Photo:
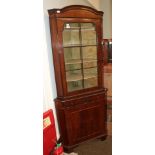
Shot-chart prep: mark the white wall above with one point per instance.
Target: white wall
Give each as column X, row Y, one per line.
column 49, row 92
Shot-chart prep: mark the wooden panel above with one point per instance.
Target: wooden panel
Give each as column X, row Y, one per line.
column 108, row 68
column 86, row 100
column 54, row 42
column 76, row 11
column 81, row 118
column 84, row 122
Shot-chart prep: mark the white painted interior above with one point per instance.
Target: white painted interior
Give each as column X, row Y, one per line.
column 49, row 79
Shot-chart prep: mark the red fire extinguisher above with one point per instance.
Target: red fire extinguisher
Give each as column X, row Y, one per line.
column 58, row 150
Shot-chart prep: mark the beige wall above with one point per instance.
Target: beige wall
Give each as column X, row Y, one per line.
column 50, row 4
column 106, row 7
column 96, row 4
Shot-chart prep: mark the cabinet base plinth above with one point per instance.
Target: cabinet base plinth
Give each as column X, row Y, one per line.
column 70, row 149
column 103, row 138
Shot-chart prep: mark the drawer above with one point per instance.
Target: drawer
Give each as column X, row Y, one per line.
column 88, row 100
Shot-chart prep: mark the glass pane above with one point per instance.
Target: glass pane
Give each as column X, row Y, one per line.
column 89, row 52
column 71, row 67
column 74, row 80
column 72, row 53
column 91, row 82
column 72, row 58
column 80, row 59
column 90, row 72
column 71, row 34
column 88, row 33
column 74, row 85
column 72, row 26
column 74, row 75
column 87, row 25
column 90, row 77
column 89, row 63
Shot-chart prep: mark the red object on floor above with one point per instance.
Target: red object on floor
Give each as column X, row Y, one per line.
column 49, row 132
column 58, row 151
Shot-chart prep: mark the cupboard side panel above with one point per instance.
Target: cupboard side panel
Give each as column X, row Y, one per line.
column 55, row 52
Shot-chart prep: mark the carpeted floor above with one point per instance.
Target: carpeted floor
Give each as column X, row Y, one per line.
column 95, row 147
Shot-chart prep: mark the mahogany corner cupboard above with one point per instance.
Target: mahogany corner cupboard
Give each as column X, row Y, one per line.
column 76, row 37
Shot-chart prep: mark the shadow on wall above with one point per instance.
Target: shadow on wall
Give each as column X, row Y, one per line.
column 49, row 54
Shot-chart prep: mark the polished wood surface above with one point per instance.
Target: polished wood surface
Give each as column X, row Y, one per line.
column 82, row 118
column 82, row 113
column 76, row 11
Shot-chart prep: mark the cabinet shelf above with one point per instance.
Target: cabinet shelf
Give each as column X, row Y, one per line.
column 89, row 76
column 78, row 28
column 80, row 69
column 72, row 29
column 75, row 77
column 79, row 61
column 73, row 61
column 78, row 45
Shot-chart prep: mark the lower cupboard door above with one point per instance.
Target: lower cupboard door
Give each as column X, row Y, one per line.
column 87, row 123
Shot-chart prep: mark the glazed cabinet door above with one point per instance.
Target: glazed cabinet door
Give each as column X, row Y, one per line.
column 80, row 54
